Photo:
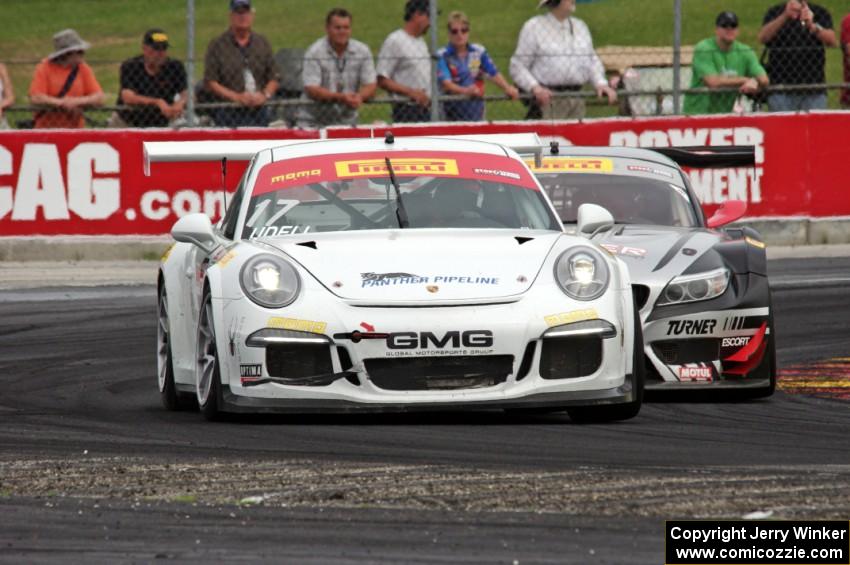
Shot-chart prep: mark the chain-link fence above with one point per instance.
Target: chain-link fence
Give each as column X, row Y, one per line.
column 555, row 70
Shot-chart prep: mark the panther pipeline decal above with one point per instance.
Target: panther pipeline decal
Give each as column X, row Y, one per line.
column 401, row 279
column 354, row 167
column 824, row 379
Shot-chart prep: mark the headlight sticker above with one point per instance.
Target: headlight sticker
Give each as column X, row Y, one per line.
column 571, row 317
column 297, row 325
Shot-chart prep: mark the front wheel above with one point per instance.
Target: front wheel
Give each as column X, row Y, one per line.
column 615, row 412
column 171, row 398
column 207, row 372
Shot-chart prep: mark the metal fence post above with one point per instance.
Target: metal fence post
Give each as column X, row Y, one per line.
column 435, row 88
column 191, row 118
column 677, row 54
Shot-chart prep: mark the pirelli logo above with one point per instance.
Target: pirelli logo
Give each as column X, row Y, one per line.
column 295, row 175
column 374, row 167
column 575, row 165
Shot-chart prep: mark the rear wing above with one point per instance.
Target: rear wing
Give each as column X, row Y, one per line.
column 198, row 151
column 707, row 157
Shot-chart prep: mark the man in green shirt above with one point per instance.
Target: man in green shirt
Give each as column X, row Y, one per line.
column 723, row 62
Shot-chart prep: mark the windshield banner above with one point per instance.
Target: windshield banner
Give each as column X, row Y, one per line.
column 373, row 165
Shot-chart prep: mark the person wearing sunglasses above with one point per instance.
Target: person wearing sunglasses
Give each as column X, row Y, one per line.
column 63, row 85
column 724, row 63
column 461, row 69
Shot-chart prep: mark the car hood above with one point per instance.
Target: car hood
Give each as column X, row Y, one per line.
column 657, row 253
column 422, row 265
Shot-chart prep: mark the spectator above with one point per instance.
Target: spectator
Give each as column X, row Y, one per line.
column 339, row 75
column 461, row 70
column 555, row 54
column 152, row 84
column 795, row 34
column 723, row 62
column 64, row 85
column 845, row 49
column 240, row 68
column 7, row 95
column 404, row 65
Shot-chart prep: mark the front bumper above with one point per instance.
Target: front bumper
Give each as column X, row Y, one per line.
column 511, row 330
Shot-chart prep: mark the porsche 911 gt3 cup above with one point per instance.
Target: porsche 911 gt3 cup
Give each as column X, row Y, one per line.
column 381, row 274
column 703, row 291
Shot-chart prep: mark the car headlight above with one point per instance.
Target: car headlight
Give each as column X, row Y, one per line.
column 270, row 281
column 582, row 273
column 691, row 288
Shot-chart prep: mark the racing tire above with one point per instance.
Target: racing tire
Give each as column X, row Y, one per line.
column 625, row 411
column 207, row 371
column 171, row 398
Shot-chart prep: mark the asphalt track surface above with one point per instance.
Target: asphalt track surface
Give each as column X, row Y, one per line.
column 92, row 469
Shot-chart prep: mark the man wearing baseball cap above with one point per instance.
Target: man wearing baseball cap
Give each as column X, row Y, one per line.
column 722, row 62
column 239, row 68
column 153, row 86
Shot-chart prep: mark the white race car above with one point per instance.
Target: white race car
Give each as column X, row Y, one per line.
column 392, row 275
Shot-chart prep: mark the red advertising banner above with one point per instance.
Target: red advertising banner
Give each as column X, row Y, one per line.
column 802, row 160
column 91, row 182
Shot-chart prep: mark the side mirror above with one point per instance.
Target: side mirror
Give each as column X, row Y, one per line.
column 728, row 212
column 593, row 218
column 195, row 229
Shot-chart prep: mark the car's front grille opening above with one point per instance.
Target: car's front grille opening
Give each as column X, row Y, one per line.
column 641, row 292
column 652, row 375
column 682, row 351
column 570, row 357
column 440, row 373
column 527, row 359
column 298, row 360
column 345, row 364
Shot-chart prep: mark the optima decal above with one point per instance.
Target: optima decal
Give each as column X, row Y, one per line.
column 297, row 325
column 571, row 317
column 250, row 373
column 401, row 166
column 691, row 327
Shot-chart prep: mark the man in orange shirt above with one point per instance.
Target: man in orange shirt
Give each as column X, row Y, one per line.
column 63, row 85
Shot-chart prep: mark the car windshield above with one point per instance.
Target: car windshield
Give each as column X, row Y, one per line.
column 345, row 192
column 630, row 199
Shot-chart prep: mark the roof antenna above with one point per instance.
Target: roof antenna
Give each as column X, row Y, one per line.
column 223, row 183
column 554, row 147
column 389, row 138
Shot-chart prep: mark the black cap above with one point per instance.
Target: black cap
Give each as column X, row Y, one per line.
column 239, row 5
column 156, row 38
column 726, row 19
